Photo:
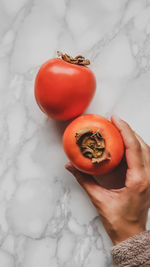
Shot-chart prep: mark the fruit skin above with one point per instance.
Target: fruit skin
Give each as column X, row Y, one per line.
column 113, row 143
column 64, row 90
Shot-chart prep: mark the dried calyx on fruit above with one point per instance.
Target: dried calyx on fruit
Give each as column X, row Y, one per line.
column 78, row 60
column 92, row 145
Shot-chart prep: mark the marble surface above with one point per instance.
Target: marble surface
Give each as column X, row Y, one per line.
column 46, row 219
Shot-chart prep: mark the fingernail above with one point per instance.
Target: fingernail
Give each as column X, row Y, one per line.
column 69, row 167
column 116, row 118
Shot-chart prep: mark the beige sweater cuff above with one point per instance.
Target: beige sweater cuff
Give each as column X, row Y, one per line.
column 134, row 251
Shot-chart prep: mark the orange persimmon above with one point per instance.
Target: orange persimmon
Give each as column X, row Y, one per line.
column 93, row 144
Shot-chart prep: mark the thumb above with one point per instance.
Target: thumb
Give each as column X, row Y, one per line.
column 95, row 191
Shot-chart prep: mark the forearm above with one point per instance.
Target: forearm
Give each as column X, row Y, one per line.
column 133, row 252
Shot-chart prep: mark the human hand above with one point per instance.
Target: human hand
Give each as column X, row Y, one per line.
column 123, row 211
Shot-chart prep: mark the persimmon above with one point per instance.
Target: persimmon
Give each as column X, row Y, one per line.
column 64, row 87
column 93, row 144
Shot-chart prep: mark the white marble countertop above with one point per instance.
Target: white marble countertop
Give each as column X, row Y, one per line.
column 45, row 217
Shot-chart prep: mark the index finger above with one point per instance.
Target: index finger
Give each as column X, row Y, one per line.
column 133, row 148
column 95, row 191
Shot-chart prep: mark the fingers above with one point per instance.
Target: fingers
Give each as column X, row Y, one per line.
column 137, row 155
column 95, row 191
column 141, row 141
column 133, row 147
column 145, row 149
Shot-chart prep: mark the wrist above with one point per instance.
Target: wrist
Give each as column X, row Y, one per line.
column 121, row 230
column 126, row 232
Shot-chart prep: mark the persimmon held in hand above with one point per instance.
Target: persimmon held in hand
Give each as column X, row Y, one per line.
column 64, row 87
column 93, row 144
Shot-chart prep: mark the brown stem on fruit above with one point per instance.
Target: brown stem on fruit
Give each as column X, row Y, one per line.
column 78, row 60
column 92, row 145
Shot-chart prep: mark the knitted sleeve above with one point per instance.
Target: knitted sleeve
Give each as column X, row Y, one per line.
column 134, row 251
